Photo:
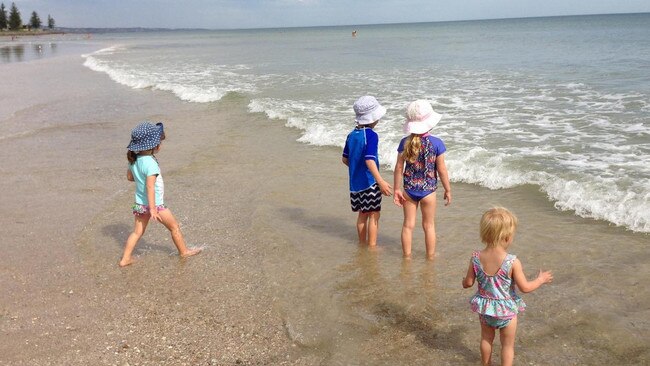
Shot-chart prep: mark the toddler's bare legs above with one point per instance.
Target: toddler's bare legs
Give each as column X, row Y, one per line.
column 138, row 230
column 428, row 207
column 507, row 336
column 410, row 208
column 171, row 224
column 487, row 338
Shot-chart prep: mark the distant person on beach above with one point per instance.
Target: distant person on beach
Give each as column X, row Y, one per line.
column 497, row 272
column 420, row 162
column 146, row 139
column 361, row 156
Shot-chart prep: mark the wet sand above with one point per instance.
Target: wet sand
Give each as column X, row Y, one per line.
column 281, row 280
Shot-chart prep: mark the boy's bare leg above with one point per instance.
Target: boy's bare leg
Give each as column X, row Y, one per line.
column 171, row 224
column 138, row 230
column 373, row 227
column 362, row 228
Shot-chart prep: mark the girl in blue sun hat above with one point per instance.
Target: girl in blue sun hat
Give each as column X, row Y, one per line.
column 144, row 170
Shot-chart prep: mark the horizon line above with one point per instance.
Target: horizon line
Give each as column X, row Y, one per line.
column 345, row 25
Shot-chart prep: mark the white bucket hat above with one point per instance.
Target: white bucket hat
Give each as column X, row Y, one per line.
column 420, row 117
column 368, row 110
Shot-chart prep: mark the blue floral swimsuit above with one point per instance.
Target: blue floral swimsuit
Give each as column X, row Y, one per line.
column 495, row 301
column 421, row 176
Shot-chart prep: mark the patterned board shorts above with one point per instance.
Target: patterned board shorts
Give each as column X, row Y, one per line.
column 368, row 200
column 142, row 210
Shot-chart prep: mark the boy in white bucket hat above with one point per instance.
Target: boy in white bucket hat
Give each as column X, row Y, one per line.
column 420, row 161
column 361, row 157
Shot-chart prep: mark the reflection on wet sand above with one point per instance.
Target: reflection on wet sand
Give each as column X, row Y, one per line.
column 20, row 53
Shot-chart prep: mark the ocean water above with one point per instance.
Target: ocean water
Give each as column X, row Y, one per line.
column 561, row 103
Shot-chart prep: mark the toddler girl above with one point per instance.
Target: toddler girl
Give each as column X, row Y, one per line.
column 497, row 273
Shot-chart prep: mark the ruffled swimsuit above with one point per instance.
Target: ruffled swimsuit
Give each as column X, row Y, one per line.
column 495, row 301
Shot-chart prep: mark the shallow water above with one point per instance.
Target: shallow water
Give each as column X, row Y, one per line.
column 353, row 305
column 560, row 103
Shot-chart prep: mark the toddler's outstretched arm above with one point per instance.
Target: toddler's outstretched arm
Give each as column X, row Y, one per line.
column 469, row 279
column 529, row 286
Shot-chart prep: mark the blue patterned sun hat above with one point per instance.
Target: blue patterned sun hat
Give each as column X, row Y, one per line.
column 145, row 136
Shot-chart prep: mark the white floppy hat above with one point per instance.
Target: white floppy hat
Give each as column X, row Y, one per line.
column 420, row 117
column 368, row 110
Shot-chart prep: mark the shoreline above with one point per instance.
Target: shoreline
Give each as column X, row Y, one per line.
column 29, row 33
column 281, row 280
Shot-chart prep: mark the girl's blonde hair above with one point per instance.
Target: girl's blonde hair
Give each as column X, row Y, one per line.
column 413, row 143
column 412, row 147
column 497, row 226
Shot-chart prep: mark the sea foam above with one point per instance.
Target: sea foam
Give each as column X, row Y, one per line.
column 194, row 83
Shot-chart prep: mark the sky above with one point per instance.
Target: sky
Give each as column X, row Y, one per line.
column 229, row 14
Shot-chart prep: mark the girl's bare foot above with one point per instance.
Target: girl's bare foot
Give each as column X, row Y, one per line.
column 192, row 251
column 431, row 257
column 126, row 262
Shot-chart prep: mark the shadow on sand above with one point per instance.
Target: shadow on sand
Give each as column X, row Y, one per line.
column 330, row 225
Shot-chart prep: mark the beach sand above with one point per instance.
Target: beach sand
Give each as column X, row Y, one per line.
column 281, row 279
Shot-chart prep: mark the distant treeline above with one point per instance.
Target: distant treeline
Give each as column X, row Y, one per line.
column 14, row 21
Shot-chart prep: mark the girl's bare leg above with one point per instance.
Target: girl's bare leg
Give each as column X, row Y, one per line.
column 138, row 230
column 410, row 211
column 373, row 227
column 487, row 338
column 428, row 207
column 362, row 227
column 507, row 336
column 171, row 224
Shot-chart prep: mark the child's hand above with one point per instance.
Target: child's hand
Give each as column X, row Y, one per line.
column 447, row 198
column 385, row 188
column 154, row 214
column 399, row 198
column 545, row 277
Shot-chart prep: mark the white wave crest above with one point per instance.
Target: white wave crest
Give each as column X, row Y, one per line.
column 596, row 198
column 196, row 84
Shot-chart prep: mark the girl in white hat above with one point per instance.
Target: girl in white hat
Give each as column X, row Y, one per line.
column 420, row 162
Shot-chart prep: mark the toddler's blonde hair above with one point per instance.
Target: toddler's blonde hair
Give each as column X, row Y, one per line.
column 497, row 226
